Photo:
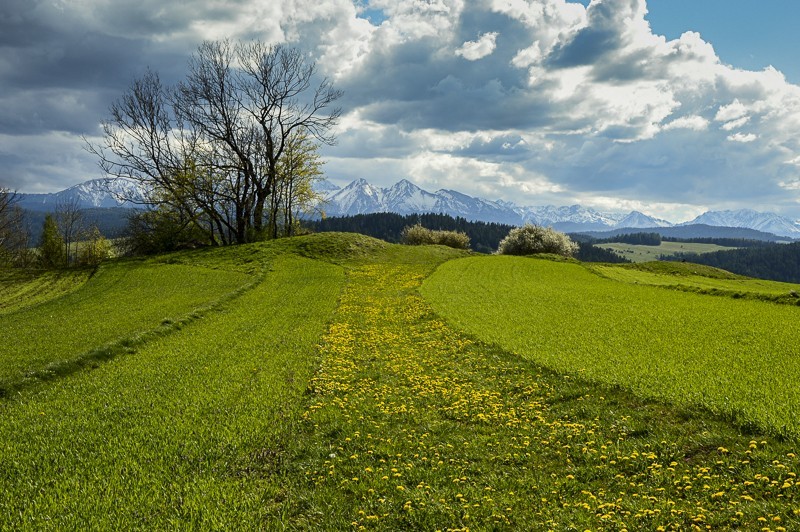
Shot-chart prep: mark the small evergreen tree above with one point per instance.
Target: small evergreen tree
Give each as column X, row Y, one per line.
column 51, row 247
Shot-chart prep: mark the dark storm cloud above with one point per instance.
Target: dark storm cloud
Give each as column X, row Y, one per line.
column 421, row 85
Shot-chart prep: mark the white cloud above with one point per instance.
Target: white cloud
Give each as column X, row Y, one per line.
column 744, row 138
column 571, row 103
column 732, row 111
column 694, row 122
column 483, row 47
column 735, row 124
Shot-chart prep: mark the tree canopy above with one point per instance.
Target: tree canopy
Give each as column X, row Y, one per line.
column 212, row 147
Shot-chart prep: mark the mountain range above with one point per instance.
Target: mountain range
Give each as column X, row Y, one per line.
column 96, row 193
column 360, row 197
column 404, row 197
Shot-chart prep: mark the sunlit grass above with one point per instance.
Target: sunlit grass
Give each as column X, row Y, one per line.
column 190, row 432
column 413, row 425
column 639, row 253
column 701, row 279
column 329, row 395
column 122, row 300
column 731, row 357
column 20, row 289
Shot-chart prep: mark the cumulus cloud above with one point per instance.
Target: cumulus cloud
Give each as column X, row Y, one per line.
column 539, row 101
column 474, row 50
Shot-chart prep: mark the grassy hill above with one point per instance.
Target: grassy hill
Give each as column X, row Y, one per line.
column 334, row 381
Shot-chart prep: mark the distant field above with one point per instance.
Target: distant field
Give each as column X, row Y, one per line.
column 636, row 253
column 701, row 279
column 693, row 350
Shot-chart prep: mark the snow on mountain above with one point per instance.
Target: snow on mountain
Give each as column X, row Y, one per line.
column 404, row 197
column 324, row 186
column 102, row 193
column 551, row 215
column 639, row 220
column 457, row 204
column 359, row 197
column 767, row 222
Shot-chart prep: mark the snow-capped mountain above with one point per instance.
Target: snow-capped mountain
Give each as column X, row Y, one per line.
column 768, row 222
column 95, row 193
column 570, row 218
column 639, row 220
column 359, row 197
column 404, row 197
column 457, row 204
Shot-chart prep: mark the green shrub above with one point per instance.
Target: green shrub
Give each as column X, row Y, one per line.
column 95, row 250
column 416, row 235
column 531, row 239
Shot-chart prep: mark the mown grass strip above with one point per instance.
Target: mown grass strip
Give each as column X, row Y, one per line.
column 732, row 357
column 121, row 346
column 191, row 432
column 123, row 300
column 21, row 289
column 411, row 425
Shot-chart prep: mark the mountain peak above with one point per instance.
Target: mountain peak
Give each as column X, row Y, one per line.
column 768, row 222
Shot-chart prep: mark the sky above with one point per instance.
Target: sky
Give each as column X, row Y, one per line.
column 669, row 107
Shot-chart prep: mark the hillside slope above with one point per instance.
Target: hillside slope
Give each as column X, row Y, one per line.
column 326, row 394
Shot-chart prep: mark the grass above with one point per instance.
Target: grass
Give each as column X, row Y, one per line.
column 331, row 395
column 637, row 253
column 697, row 278
column 122, row 301
column 411, row 425
column 691, row 350
column 184, row 433
column 21, row 289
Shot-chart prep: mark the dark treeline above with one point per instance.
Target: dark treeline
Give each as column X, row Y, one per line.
column 112, row 222
column 636, row 239
column 590, row 253
column 484, row 237
column 726, row 242
column 777, row 262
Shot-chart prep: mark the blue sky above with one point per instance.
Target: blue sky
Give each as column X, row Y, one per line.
column 745, row 33
column 663, row 106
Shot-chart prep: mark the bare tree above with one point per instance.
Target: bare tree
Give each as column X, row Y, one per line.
column 14, row 236
column 211, row 146
column 7, row 201
column 69, row 219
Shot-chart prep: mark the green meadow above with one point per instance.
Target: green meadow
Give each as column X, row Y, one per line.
column 336, row 382
column 639, row 253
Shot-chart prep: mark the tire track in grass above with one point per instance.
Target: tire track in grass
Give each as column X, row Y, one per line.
column 411, row 425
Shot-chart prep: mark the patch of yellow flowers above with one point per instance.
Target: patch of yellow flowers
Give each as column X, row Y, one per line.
column 424, row 428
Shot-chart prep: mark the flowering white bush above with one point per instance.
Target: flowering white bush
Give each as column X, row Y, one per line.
column 531, row 239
